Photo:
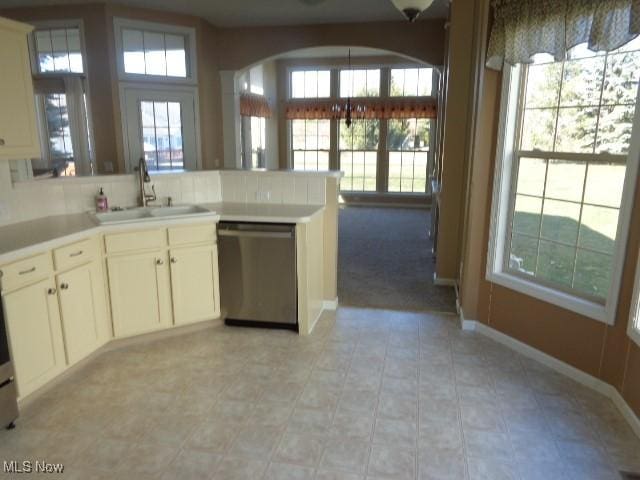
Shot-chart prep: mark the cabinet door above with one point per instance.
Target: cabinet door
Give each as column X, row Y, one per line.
column 140, row 293
column 18, row 130
column 82, row 312
column 33, row 323
column 194, row 284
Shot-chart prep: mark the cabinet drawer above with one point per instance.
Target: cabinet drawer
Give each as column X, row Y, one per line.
column 184, row 235
column 74, row 254
column 131, row 241
column 25, row 271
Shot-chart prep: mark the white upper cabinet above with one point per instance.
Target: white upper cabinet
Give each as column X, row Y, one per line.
column 18, row 128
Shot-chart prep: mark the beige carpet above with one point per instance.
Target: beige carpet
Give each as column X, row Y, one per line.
column 385, row 261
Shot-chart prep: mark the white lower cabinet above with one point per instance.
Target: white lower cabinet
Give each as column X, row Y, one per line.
column 194, row 284
column 83, row 310
column 33, row 324
column 140, row 292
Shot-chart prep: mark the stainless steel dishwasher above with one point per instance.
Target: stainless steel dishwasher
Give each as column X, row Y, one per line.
column 258, row 284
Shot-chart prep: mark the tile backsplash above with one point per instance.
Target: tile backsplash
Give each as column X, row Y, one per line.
column 35, row 199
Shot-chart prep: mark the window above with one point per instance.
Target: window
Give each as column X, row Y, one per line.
column 634, row 321
column 162, row 135
column 563, row 194
column 252, row 80
column 311, row 84
column 408, row 144
column 360, row 83
column 58, row 50
column 310, row 144
column 258, row 141
column 359, row 155
column 59, row 133
column 163, row 52
column 411, row 82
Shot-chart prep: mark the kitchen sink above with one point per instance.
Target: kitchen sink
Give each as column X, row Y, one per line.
column 177, row 211
column 142, row 214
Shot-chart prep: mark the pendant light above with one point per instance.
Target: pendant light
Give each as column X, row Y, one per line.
column 412, row 8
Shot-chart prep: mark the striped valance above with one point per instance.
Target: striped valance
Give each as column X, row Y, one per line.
column 252, row 105
column 363, row 108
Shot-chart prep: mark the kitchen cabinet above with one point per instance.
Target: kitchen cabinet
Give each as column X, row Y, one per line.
column 140, row 292
column 35, row 334
column 18, row 126
column 83, row 310
column 194, row 284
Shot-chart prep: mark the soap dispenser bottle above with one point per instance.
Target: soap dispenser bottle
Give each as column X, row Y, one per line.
column 102, row 203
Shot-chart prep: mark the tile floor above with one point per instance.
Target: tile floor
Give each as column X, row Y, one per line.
column 371, row 394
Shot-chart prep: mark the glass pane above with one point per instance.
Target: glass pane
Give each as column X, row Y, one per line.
column 593, row 273
column 154, row 58
column 370, row 164
column 543, row 85
column 565, row 180
column 373, row 83
column 411, row 82
column 175, row 118
column 310, row 84
column 161, row 114
column 582, row 82
column 621, row 81
column 614, row 131
column 75, row 55
column 359, row 83
column 298, row 134
column 311, row 160
column 324, row 132
column 324, row 83
column 576, row 130
column 323, row 160
column 297, row 84
column 425, row 82
column 555, row 263
column 60, row 50
column 311, row 135
column 526, row 215
column 524, row 254
column 397, row 82
column 537, row 129
column 598, row 228
column 175, row 135
column 604, row 185
column 298, row 160
column 149, row 139
column 345, row 83
column 133, row 51
column 531, row 176
column 147, row 115
column 176, row 56
column 560, row 221
column 395, row 166
column 45, row 52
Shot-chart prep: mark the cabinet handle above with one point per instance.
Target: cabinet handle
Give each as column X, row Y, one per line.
column 24, row 272
column 51, row 291
column 64, row 286
column 76, row 254
column 159, row 262
column 1, row 142
column 174, row 260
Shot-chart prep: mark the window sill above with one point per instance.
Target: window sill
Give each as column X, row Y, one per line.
column 567, row 301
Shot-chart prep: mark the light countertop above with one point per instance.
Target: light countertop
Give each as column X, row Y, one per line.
column 21, row 239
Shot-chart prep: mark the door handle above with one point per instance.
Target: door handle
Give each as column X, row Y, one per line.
column 159, row 261
column 254, row 234
column 174, row 260
column 51, row 291
column 64, row 286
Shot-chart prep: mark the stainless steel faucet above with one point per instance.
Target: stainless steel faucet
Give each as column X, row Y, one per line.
column 143, row 177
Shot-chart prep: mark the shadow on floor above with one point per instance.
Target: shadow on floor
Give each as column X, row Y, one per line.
column 385, row 261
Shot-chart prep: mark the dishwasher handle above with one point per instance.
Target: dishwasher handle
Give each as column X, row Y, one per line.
column 254, row 234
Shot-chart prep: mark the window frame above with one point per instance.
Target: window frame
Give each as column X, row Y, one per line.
column 320, row 68
column 52, row 25
column 506, row 161
column 189, row 34
column 293, row 150
column 634, row 313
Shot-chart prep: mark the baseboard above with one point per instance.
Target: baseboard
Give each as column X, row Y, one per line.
column 466, row 325
column 444, row 282
column 558, row 366
column 330, row 304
